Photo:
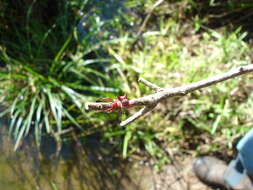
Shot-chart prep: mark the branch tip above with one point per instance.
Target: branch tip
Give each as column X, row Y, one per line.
column 138, row 114
column 86, row 106
column 150, row 85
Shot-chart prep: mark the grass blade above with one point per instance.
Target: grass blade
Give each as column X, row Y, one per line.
column 46, row 121
column 20, row 135
column 71, row 118
column 13, row 121
column 29, row 117
column 59, row 54
column 5, row 112
column 56, row 109
column 125, row 143
column 73, row 95
column 17, row 126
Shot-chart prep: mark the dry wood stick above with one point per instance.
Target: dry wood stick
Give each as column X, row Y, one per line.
column 150, row 101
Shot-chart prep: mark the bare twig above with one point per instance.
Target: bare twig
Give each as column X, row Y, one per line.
column 150, row 85
column 146, row 20
column 150, row 101
column 138, row 114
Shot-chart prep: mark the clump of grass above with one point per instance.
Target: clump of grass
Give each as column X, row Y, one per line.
column 175, row 54
column 50, row 72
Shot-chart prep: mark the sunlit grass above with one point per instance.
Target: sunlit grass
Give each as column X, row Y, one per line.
column 170, row 57
column 52, row 70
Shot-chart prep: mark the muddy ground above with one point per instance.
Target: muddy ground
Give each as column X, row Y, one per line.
column 176, row 176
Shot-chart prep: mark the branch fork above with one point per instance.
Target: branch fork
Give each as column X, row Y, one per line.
column 150, row 101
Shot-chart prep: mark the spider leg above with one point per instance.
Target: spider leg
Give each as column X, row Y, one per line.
column 106, row 99
column 109, row 110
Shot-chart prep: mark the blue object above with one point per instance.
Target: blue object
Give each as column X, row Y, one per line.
column 242, row 166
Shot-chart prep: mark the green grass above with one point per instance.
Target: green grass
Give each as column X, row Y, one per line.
column 206, row 121
column 50, row 73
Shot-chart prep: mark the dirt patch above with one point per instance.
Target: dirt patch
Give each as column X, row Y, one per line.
column 175, row 176
column 179, row 176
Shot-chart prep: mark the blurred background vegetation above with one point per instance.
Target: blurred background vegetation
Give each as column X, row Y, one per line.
column 57, row 55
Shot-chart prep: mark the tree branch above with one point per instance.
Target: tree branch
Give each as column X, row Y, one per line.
column 138, row 114
column 150, row 85
column 150, row 101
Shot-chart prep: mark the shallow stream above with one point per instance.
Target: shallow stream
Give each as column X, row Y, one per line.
column 77, row 167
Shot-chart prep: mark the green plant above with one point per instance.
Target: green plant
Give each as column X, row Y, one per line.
column 172, row 55
column 48, row 74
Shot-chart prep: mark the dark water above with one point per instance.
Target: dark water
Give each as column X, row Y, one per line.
column 78, row 166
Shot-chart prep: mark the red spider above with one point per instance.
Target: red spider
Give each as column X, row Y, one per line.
column 121, row 102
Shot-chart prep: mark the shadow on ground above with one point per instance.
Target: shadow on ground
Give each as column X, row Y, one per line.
column 230, row 13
